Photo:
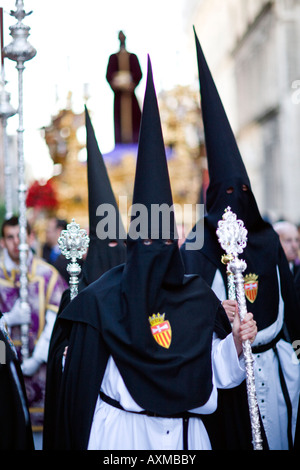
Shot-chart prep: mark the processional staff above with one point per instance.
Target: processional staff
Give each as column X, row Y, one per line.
column 19, row 50
column 73, row 243
column 232, row 236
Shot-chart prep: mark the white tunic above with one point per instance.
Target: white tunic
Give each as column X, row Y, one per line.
column 115, row 429
column 268, row 389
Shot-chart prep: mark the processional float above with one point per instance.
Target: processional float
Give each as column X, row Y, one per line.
column 232, row 236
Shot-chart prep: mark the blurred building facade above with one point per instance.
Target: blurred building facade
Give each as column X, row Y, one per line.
column 252, row 48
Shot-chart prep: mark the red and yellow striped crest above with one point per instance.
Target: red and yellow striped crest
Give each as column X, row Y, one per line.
column 251, row 287
column 161, row 330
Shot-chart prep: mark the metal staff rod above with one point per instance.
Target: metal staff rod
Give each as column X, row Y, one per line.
column 232, row 236
column 20, row 51
column 6, row 111
column 230, row 277
column 73, row 243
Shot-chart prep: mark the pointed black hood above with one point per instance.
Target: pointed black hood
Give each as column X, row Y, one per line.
column 101, row 256
column 224, row 159
column 148, row 267
column 229, row 182
column 152, row 184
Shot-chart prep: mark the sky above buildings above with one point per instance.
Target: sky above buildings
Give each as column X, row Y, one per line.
column 74, row 39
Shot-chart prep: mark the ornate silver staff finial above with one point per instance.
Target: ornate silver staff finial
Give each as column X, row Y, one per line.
column 232, row 237
column 20, row 51
column 232, row 234
column 73, row 243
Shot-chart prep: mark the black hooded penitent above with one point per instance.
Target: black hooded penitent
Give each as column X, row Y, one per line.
column 112, row 316
column 230, row 186
column 103, row 254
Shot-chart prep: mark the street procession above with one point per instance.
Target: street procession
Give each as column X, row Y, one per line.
column 150, row 228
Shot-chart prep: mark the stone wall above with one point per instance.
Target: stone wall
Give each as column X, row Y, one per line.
column 252, row 48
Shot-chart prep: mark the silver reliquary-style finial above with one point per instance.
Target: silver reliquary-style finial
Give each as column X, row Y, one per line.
column 73, row 243
column 231, row 233
column 232, row 236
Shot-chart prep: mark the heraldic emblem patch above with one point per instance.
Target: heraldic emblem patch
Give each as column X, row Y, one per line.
column 251, row 286
column 161, row 330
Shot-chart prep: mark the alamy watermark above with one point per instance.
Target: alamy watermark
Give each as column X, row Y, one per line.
column 296, row 353
column 2, row 352
column 159, row 223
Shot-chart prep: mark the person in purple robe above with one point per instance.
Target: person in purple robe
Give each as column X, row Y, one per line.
column 124, row 74
column 45, row 288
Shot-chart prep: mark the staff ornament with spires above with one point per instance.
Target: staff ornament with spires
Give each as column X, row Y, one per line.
column 73, row 243
column 232, row 236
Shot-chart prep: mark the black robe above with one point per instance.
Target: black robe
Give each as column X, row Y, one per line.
column 15, row 425
column 205, row 263
column 297, row 433
column 58, row 342
column 94, row 325
column 297, row 283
